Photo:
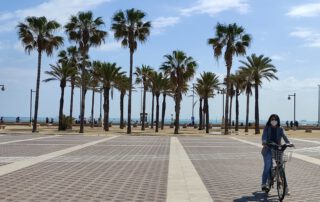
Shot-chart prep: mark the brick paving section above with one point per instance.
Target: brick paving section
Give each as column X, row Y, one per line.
column 123, row 169
column 13, row 152
column 11, row 137
column 233, row 172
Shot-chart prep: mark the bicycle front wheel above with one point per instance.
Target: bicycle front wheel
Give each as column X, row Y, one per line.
column 281, row 184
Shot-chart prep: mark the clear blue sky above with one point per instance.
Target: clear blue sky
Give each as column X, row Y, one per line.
column 286, row 31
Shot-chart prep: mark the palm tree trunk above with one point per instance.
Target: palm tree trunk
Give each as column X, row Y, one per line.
column 36, row 105
column 130, row 93
column 121, row 109
column 177, row 110
column 237, row 111
column 203, row 115
column 207, row 114
column 83, row 99
column 157, row 113
column 143, row 109
column 163, row 110
column 106, row 109
column 247, row 114
column 92, row 109
column 226, row 132
column 230, row 111
column 257, row 129
column 200, row 114
column 61, row 108
column 71, row 100
column 152, row 110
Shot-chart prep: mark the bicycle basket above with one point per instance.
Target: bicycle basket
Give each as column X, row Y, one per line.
column 277, row 155
column 281, row 156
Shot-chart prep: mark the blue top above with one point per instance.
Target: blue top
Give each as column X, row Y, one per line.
column 267, row 137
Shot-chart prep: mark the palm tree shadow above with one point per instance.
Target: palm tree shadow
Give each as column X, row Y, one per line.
column 258, row 196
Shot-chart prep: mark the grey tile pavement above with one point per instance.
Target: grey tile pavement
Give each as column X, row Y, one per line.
column 136, row 172
column 233, row 172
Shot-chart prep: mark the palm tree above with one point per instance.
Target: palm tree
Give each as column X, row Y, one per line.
column 157, row 81
column 123, row 85
column 207, row 83
column 260, row 68
column 85, row 31
column 247, row 87
column 233, row 39
column 70, row 57
column 60, row 73
column 94, row 84
column 231, row 95
column 142, row 76
column 129, row 27
column 180, row 69
column 239, row 83
column 37, row 34
column 200, row 92
column 109, row 74
column 166, row 89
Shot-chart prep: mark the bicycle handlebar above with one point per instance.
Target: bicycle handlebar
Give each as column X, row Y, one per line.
column 279, row 147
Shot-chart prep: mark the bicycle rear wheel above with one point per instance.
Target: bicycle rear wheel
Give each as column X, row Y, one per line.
column 281, row 184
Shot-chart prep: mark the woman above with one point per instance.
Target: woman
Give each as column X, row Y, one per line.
column 273, row 132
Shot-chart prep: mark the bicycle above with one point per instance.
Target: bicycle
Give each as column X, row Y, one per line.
column 277, row 172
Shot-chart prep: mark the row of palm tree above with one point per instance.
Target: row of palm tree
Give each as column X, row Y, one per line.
column 129, row 27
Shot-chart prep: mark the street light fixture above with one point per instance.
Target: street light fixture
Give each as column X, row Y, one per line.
column 294, row 106
column 31, row 91
column 2, row 87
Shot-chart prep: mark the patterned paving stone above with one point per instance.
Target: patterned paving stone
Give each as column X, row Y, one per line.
column 233, row 172
column 106, row 171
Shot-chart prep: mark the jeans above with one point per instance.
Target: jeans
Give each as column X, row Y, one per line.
column 267, row 158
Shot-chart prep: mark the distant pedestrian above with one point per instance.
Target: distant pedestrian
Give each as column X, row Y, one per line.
column 287, row 123
column 1, row 120
column 47, row 120
column 291, row 124
column 296, row 124
column 18, row 119
column 51, row 120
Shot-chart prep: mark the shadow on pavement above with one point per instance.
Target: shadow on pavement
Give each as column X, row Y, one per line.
column 258, row 196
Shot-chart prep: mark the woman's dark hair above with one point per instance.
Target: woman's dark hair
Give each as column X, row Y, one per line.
column 277, row 118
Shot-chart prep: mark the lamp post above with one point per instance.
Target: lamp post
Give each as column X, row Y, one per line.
column 192, row 117
column 319, row 106
column 2, row 87
column 31, row 91
column 294, row 106
column 222, row 91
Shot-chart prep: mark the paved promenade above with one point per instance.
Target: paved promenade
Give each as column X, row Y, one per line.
column 148, row 168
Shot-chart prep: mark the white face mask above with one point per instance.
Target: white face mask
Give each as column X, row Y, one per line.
column 274, row 123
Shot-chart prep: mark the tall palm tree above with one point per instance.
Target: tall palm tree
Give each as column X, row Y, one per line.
column 166, row 89
column 142, row 76
column 233, row 39
column 246, row 74
column 70, row 57
column 109, row 74
column 180, row 69
column 260, row 68
column 129, row 27
column 208, row 83
column 60, row 73
column 157, row 81
column 86, row 32
column 37, row 34
column 123, row 85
